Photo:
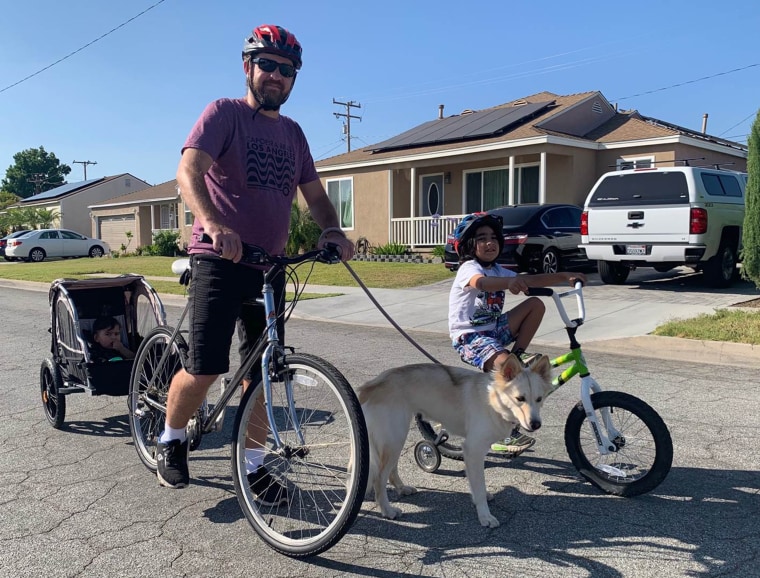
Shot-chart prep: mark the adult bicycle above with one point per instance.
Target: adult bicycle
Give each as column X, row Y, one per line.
column 317, row 444
column 616, row 441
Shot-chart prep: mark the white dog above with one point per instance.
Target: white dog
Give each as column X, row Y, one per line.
column 482, row 408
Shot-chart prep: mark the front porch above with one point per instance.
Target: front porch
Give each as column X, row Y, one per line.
column 423, row 232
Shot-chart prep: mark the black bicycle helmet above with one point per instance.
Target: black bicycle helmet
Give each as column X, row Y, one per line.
column 466, row 230
column 272, row 39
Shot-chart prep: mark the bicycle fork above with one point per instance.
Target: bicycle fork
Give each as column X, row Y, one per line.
column 606, row 436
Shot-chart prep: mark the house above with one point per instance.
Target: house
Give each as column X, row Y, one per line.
column 414, row 188
column 69, row 203
column 142, row 213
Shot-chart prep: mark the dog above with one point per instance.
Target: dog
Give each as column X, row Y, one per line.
column 482, row 408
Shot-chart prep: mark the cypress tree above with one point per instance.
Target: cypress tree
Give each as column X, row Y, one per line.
column 751, row 231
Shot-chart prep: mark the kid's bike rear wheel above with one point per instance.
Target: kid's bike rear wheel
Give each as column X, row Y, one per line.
column 156, row 362
column 451, row 448
column 644, row 448
column 325, row 477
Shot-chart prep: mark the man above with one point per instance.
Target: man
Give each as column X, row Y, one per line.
column 238, row 174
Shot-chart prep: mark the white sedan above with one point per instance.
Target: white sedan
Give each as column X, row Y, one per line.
column 35, row 246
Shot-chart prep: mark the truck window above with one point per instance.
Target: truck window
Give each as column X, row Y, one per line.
column 656, row 188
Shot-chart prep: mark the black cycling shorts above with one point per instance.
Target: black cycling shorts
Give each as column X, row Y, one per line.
column 221, row 295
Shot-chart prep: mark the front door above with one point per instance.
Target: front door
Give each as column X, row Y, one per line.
column 430, row 195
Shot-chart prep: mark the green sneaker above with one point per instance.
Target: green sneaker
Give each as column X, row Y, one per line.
column 514, row 445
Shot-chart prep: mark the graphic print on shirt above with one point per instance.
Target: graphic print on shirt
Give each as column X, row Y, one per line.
column 488, row 306
column 270, row 165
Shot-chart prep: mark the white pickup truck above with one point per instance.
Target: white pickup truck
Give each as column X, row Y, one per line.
column 665, row 218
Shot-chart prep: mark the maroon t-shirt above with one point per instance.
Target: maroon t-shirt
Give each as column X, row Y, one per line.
column 258, row 164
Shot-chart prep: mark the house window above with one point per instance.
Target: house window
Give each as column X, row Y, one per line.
column 488, row 189
column 168, row 216
column 341, row 195
column 635, row 163
column 189, row 217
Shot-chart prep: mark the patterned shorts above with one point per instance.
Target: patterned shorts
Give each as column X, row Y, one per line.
column 477, row 348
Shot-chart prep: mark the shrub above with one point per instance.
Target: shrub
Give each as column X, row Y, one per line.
column 390, row 249
column 439, row 251
column 164, row 244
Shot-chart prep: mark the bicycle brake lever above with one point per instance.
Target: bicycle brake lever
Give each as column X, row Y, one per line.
column 330, row 254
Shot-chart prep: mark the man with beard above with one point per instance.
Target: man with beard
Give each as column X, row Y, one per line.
column 238, row 174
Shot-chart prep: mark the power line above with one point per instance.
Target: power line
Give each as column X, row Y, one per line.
column 83, row 47
column 738, row 123
column 687, row 82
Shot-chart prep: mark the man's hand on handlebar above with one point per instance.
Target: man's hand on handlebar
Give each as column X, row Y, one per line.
column 226, row 242
column 343, row 244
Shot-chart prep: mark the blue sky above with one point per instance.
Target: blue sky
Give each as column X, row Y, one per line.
column 129, row 100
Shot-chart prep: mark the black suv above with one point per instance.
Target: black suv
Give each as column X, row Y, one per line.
column 537, row 239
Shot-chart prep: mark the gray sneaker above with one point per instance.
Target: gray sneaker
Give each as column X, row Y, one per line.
column 514, row 445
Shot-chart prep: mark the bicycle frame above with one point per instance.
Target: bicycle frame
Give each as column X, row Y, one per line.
column 576, row 363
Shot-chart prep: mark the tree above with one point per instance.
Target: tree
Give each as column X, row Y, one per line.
column 751, row 229
column 28, row 164
column 7, row 199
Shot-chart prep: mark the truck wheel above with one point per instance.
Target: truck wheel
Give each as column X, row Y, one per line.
column 613, row 273
column 720, row 270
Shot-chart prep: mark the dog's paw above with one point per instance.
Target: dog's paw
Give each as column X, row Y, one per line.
column 489, row 496
column 488, row 521
column 391, row 513
column 406, row 490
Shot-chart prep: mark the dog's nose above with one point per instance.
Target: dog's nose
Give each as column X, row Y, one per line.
column 534, row 425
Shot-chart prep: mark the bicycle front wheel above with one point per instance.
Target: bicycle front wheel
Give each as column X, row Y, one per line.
column 644, row 448
column 157, row 360
column 324, row 469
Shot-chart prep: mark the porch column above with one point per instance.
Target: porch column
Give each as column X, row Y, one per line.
column 152, row 221
column 542, row 179
column 511, row 180
column 412, row 235
column 391, row 237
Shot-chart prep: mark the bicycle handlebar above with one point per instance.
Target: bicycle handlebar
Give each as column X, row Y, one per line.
column 255, row 255
column 577, row 291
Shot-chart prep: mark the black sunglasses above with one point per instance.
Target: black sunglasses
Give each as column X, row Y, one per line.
column 267, row 65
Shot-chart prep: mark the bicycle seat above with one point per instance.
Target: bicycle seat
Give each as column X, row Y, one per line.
column 180, row 266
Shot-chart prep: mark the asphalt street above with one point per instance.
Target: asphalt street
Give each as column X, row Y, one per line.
column 77, row 501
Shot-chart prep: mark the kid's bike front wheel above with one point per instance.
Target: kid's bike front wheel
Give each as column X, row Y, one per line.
column 157, row 360
column 643, row 450
column 315, row 481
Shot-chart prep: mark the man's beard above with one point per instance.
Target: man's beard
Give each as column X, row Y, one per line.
column 268, row 99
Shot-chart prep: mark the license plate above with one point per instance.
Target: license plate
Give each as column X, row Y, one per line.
column 636, row 250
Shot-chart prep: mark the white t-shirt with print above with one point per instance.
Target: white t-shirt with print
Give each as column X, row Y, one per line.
column 471, row 309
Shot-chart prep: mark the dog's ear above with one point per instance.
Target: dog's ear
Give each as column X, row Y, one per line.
column 543, row 367
column 512, row 366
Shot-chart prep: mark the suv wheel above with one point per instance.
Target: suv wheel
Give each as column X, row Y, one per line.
column 613, row 273
column 720, row 270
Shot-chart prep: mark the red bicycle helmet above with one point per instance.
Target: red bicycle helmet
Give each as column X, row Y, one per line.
column 469, row 224
column 272, row 39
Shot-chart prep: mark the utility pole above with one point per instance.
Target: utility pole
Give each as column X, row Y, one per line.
column 347, row 127
column 38, row 179
column 84, row 166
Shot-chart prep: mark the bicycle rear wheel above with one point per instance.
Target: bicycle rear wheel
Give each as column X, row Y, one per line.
column 325, row 477
column 161, row 357
column 644, row 447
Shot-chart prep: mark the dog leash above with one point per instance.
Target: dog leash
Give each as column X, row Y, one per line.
column 388, row 317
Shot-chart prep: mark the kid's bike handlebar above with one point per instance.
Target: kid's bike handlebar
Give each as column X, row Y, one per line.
column 577, row 291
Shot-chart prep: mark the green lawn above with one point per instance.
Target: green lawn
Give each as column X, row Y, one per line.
column 374, row 275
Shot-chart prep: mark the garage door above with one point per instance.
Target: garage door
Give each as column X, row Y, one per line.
column 113, row 231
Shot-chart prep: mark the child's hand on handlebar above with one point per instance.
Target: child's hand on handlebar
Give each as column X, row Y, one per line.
column 573, row 278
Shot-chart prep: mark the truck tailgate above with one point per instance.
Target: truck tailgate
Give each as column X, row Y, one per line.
column 640, row 225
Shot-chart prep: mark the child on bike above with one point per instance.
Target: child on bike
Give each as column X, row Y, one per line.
column 479, row 331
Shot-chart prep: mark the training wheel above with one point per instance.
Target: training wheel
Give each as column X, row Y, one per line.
column 427, row 456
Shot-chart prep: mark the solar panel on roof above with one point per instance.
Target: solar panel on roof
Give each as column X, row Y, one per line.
column 463, row 127
column 62, row 190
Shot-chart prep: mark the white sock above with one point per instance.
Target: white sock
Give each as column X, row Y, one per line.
column 171, row 433
column 254, row 457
